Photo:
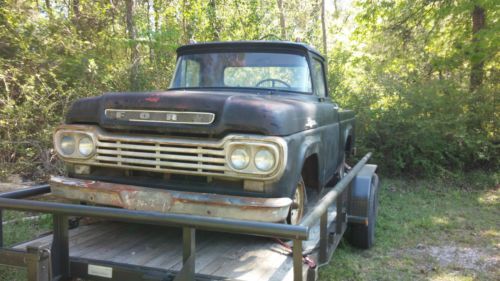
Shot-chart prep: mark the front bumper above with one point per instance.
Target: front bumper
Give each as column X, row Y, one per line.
column 169, row 201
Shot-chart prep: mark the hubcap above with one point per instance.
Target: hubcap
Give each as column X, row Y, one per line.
column 297, row 208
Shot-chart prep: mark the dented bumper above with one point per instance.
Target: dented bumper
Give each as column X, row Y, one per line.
column 169, row 201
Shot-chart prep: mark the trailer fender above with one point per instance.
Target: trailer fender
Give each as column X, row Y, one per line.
column 362, row 194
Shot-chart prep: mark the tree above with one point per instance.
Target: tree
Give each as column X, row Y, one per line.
column 215, row 24
column 323, row 27
column 134, row 54
column 477, row 57
column 421, row 75
column 282, row 19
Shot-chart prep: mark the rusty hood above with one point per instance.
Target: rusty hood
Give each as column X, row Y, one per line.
column 267, row 114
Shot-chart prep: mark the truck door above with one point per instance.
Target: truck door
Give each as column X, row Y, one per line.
column 328, row 113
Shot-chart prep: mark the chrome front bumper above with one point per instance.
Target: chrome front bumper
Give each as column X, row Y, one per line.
column 169, row 201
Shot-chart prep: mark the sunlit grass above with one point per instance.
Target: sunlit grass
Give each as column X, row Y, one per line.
column 418, row 220
column 491, row 197
column 451, row 277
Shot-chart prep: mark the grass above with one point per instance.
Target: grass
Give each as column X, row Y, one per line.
column 427, row 230
column 18, row 230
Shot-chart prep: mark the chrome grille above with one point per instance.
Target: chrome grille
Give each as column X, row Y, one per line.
column 171, row 155
column 161, row 156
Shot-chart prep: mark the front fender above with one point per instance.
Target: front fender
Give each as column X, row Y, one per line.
column 300, row 147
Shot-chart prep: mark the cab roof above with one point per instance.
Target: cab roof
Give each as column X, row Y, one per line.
column 246, row 45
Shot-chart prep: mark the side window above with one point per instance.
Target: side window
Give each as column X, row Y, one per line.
column 319, row 80
column 191, row 73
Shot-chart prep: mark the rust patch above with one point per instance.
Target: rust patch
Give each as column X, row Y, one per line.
column 161, row 200
column 153, row 99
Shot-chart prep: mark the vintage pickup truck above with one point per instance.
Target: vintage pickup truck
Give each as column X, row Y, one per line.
column 247, row 130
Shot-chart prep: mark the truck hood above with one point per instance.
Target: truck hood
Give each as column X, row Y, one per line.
column 266, row 114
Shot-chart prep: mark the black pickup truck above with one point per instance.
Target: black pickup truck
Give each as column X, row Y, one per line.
column 247, row 130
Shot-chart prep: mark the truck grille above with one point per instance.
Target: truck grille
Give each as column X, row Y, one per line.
column 160, row 156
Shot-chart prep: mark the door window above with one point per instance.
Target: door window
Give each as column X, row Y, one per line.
column 319, row 79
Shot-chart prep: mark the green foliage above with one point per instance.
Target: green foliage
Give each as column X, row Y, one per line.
column 403, row 66
column 408, row 80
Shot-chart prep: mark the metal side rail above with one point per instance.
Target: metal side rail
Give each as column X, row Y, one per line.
column 55, row 263
column 337, row 195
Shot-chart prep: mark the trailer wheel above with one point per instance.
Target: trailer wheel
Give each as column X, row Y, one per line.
column 298, row 206
column 360, row 235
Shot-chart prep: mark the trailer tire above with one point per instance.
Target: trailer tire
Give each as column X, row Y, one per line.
column 360, row 235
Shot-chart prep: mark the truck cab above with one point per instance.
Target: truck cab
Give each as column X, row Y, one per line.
column 246, row 131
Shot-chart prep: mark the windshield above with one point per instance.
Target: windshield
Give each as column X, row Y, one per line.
column 279, row 71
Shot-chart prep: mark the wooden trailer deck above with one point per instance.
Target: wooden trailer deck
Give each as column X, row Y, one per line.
column 218, row 255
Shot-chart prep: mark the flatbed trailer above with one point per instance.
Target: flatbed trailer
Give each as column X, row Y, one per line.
column 139, row 245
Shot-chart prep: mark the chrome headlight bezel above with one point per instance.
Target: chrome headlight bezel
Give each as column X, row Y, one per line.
column 77, row 136
column 276, row 146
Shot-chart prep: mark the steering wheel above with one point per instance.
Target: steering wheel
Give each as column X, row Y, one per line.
column 274, row 81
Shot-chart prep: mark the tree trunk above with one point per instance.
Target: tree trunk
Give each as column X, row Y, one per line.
column 323, row 27
column 76, row 9
column 150, row 30
column 186, row 25
column 156, row 7
column 214, row 22
column 282, row 20
column 134, row 55
column 48, row 6
column 477, row 58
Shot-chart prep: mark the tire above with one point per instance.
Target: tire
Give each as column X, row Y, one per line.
column 298, row 208
column 363, row 236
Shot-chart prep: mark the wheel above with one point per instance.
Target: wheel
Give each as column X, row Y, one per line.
column 299, row 200
column 363, row 236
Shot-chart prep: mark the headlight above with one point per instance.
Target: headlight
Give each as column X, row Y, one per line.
column 67, row 145
column 256, row 157
column 86, row 146
column 74, row 144
column 264, row 160
column 239, row 158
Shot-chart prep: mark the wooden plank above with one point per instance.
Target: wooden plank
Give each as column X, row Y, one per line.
column 85, row 231
column 122, row 243
column 210, row 251
column 220, row 250
column 92, row 232
column 170, row 252
column 255, row 269
column 203, row 240
column 170, row 239
column 140, row 250
column 237, row 257
column 238, row 260
column 101, row 240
